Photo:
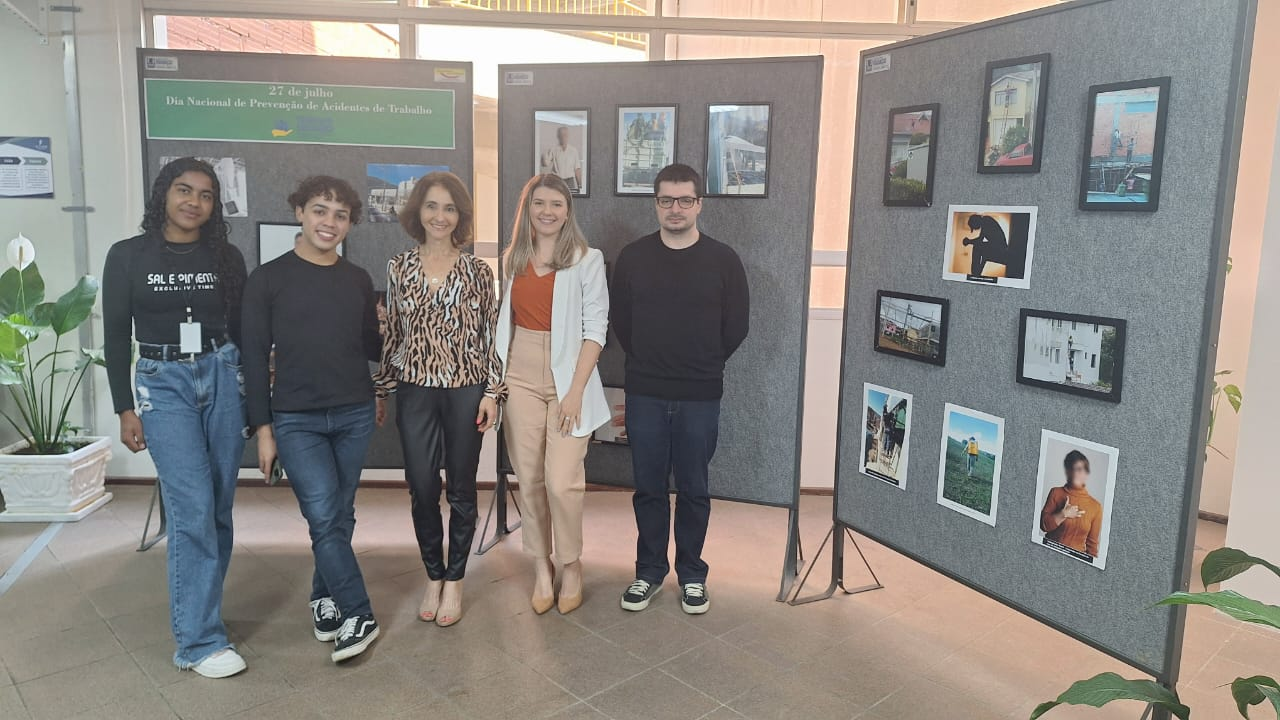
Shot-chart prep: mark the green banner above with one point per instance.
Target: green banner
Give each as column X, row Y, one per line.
column 232, row 111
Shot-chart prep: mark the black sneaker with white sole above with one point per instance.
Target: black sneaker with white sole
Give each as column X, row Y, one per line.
column 639, row 594
column 354, row 637
column 693, row 598
column 327, row 619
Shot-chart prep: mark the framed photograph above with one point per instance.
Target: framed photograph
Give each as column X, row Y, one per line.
column 738, row 150
column 910, row 157
column 646, row 144
column 990, row 245
column 560, row 146
column 1077, row 354
column 912, row 326
column 231, row 177
column 886, row 439
column 390, row 185
column 969, row 468
column 1075, row 487
column 1124, row 146
column 614, row 431
column 1015, row 95
column 276, row 239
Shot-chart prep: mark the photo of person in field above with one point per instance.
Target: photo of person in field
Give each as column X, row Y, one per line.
column 969, row 468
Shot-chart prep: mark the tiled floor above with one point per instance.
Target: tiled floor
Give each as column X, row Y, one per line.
column 85, row 633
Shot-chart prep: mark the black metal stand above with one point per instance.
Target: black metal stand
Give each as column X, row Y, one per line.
column 498, row 513
column 835, row 536
column 157, row 499
column 793, row 561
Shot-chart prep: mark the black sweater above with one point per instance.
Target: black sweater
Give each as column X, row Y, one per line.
column 323, row 322
column 679, row 315
column 146, row 286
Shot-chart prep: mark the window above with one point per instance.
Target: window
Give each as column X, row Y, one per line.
column 967, row 11
column 293, row 37
column 1006, row 97
column 830, row 10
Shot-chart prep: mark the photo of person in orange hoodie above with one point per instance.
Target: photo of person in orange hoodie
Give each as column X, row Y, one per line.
column 1071, row 519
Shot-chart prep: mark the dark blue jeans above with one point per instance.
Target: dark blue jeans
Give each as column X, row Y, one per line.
column 671, row 437
column 322, row 452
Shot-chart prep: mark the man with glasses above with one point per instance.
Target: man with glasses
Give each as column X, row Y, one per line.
column 679, row 308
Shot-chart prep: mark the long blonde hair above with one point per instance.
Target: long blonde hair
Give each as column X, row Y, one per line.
column 571, row 244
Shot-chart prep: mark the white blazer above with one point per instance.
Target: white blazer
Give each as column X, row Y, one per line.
column 579, row 312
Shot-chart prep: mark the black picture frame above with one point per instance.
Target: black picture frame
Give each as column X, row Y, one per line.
column 1089, row 184
column 618, row 146
column 879, row 335
column 585, row 190
column 1036, row 139
column 609, row 433
column 768, row 151
column 927, row 200
column 1071, row 323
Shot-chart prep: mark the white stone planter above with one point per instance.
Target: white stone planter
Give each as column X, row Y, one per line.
column 54, row 488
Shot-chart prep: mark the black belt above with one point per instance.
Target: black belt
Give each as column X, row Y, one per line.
column 174, row 352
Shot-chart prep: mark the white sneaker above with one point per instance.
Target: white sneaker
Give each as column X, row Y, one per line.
column 221, row 665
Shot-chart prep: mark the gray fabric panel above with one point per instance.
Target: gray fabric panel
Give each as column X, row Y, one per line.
column 1151, row 269
column 272, row 170
column 758, row 456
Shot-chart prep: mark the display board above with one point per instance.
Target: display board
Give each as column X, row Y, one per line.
column 266, row 121
column 762, row 116
column 1140, row 291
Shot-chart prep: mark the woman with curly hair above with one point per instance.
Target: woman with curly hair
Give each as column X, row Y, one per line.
column 176, row 290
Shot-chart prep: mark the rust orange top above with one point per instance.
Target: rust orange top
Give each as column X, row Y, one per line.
column 531, row 299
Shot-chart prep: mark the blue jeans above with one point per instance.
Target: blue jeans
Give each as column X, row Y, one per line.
column 671, row 437
column 322, row 452
column 193, row 417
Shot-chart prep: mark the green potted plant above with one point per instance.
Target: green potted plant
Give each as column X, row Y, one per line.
column 52, row 473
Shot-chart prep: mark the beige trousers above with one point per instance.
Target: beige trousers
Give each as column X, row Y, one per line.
column 548, row 466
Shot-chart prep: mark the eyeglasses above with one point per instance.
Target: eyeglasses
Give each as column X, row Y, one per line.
column 686, row 202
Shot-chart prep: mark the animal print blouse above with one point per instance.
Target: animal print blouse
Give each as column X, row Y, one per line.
column 443, row 336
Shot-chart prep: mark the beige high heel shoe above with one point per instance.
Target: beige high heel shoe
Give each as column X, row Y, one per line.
column 450, row 611
column 570, row 601
column 430, row 601
column 542, row 603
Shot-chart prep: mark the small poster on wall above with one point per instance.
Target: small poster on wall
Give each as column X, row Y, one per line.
column 1076, row 485
column 990, row 245
column 1013, row 111
column 390, row 185
column 738, row 150
column 614, row 431
column 231, row 176
column 886, row 437
column 969, row 469
column 646, row 144
column 560, row 146
column 1124, row 154
column 26, row 167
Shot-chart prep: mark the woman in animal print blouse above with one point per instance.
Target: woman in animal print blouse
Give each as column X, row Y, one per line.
column 439, row 359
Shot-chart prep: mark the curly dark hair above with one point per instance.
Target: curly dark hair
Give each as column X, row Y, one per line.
column 329, row 188
column 215, row 232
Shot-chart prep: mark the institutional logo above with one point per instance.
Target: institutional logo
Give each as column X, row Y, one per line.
column 281, row 129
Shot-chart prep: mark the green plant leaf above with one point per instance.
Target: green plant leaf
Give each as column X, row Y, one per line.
column 1226, row 563
column 74, row 306
column 1220, row 373
column 20, row 292
column 1234, row 396
column 11, row 342
column 1232, row 603
column 1254, row 691
column 9, row 374
column 1107, row 687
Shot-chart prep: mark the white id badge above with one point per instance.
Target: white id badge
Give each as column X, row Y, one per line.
column 189, row 337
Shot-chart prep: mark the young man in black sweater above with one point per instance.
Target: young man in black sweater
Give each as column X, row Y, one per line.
column 679, row 306
column 318, row 312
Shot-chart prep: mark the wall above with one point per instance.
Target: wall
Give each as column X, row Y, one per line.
column 1253, row 500
column 1254, row 181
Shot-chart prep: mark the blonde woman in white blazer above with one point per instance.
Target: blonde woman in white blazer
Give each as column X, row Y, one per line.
column 551, row 329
